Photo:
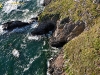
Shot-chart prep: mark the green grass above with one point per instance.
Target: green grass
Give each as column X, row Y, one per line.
column 83, row 52
column 75, row 10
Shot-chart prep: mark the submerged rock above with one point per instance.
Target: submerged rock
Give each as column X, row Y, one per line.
column 14, row 24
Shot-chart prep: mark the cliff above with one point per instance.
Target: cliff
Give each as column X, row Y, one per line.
column 81, row 54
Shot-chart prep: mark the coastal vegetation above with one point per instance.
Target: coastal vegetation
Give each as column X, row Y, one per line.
column 81, row 54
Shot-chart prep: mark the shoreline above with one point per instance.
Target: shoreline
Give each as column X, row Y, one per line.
column 56, row 64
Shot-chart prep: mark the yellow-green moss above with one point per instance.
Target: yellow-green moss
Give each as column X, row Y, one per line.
column 83, row 52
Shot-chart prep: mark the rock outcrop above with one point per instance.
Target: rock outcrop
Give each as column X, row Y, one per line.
column 46, row 25
column 44, row 28
column 14, row 24
column 56, row 65
column 66, row 32
column 79, row 51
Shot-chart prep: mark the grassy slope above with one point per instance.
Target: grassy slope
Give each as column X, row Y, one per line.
column 82, row 54
column 76, row 10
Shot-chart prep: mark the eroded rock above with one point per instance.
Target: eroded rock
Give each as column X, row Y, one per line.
column 65, row 33
column 56, row 65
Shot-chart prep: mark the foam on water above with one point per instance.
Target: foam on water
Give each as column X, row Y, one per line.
column 44, row 43
column 30, row 62
column 2, row 31
column 48, row 65
column 33, row 38
column 34, row 24
column 15, row 53
column 10, row 5
column 20, row 43
column 40, row 2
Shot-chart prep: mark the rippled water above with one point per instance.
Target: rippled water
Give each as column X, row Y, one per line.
column 34, row 51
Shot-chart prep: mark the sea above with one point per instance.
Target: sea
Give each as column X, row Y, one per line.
column 33, row 52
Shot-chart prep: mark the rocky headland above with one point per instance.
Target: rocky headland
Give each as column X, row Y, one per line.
column 75, row 27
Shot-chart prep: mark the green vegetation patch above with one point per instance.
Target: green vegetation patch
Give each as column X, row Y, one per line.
column 82, row 10
column 83, row 53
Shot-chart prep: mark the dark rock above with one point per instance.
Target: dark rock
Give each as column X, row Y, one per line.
column 65, row 33
column 51, row 70
column 43, row 28
column 54, row 42
column 65, row 20
column 14, row 24
column 46, row 2
column 59, row 37
column 79, row 28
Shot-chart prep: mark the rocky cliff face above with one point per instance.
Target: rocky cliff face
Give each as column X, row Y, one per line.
column 64, row 33
column 77, row 29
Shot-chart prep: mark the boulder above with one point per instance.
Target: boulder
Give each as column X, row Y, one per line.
column 65, row 33
column 43, row 28
column 14, row 24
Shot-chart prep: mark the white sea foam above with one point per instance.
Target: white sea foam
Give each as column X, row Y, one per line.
column 13, row 5
column 34, row 24
column 30, row 62
column 10, row 5
column 48, row 65
column 15, row 53
column 28, row 17
column 2, row 31
column 40, row 2
column 44, row 43
column 33, row 37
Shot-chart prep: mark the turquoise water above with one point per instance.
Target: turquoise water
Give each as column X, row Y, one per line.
column 34, row 51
